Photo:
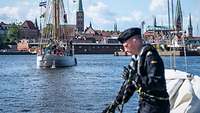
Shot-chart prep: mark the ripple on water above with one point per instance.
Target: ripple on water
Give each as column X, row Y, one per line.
column 85, row 88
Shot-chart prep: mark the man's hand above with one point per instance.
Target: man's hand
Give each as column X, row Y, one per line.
column 130, row 73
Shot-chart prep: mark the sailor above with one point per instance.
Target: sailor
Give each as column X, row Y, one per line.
column 144, row 74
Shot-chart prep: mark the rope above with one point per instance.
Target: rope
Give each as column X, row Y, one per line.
column 140, row 92
column 123, row 98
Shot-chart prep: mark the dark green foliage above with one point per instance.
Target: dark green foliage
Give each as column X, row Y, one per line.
column 12, row 34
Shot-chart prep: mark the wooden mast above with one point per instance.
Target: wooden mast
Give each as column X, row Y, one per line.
column 56, row 19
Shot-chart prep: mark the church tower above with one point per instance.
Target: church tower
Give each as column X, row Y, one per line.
column 190, row 28
column 80, row 17
column 115, row 27
column 178, row 17
column 155, row 22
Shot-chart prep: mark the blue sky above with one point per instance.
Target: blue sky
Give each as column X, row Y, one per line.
column 104, row 13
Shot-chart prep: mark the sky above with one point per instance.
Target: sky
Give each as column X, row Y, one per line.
column 103, row 14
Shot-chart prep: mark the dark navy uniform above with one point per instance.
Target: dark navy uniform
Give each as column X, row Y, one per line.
column 152, row 83
column 148, row 80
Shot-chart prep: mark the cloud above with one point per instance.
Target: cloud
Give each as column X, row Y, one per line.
column 25, row 2
column 103, row 17
column 158, row 6
column 134, row 16
column 9, row 11
column 100, row 13
column 18, row 13
column 32, row 13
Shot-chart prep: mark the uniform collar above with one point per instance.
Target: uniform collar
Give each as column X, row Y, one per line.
column 142, row 48
column 135, row 57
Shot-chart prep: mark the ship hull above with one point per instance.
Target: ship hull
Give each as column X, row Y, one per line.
column 53, row 61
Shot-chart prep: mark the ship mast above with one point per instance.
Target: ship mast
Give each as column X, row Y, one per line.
column 56, row 19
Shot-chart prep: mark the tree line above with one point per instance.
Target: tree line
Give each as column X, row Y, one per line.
column 10, row 36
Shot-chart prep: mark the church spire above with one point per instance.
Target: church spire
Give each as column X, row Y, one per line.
column 190, row 28
column 190, row 21
column 115, row 27
column 179, row 16
column 80, row 5
column 155, row 22
column 90, row 24
column 80, row 17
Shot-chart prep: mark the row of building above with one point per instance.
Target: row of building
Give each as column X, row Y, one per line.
column 155, row 34
column 173, row 35
column 27, row 30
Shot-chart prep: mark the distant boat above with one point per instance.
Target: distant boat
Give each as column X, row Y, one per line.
column 53, row 51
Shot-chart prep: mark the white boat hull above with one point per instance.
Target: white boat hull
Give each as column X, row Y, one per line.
column 52, row 61
column 184, row 91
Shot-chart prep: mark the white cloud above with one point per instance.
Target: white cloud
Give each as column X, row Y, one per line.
column 19, row 11
column 134, row 16
column 103, row 16
column 24, row 2
column 9, row 11
column 100, row 13
column 158, row 6
column 32, row 13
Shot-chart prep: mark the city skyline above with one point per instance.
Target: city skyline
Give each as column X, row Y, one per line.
column 103, row 14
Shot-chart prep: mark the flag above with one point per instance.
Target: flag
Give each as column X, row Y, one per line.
column 43, row 4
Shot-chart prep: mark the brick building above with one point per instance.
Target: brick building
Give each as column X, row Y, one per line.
column 29, row 31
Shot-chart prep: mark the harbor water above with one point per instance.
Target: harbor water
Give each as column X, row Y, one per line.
column 85, row 88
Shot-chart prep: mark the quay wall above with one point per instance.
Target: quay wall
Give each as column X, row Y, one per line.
column 165, row 53
column 17, row 53
column 91, row 48
column 79, row 48
column 95, row 48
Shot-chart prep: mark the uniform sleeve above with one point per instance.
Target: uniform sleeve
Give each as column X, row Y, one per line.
column 129, row 89
column 155, row 72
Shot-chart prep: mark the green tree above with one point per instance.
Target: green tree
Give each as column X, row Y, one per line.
column 12, row 34
column 2, row 44
column 2, row 37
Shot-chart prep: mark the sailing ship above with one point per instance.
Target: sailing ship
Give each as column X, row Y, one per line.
column 53, row 51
